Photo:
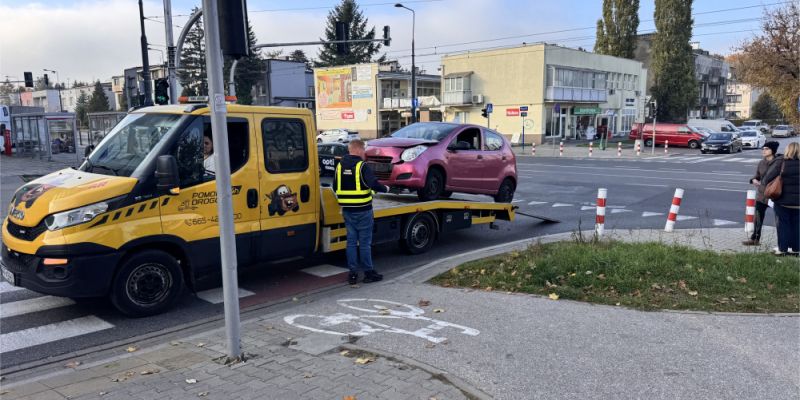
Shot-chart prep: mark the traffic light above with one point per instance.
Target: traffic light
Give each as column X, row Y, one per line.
column 28, row 79
column 387, row 40
column 46, row 81
column 233, row 28
column 484, row 114
column 342, row 34
column 162, row 92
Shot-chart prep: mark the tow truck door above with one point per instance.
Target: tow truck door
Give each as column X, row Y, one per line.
column 289, row 186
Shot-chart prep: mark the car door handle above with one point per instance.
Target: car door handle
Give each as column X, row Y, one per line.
column 252, row 198
column 504, row 158
column 480, row 157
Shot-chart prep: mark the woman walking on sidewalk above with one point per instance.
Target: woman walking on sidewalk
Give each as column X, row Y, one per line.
column 787, row 206
column 770, row 153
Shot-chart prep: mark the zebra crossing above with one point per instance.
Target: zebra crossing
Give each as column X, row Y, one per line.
column 689, row 159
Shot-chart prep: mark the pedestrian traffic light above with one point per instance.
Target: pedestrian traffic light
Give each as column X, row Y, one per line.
column 46, row 81
column 28, row 79
column 484, row 114
column 387, row 40
column 342, row 35
column 162, row 92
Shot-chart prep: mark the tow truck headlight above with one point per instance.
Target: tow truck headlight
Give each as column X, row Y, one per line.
column 412, row 153
column 74, row 217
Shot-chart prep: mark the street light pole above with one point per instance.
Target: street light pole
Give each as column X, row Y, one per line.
column 60, row 106
column 413, row 64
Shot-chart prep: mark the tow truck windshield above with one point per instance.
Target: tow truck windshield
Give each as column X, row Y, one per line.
column 130, row 142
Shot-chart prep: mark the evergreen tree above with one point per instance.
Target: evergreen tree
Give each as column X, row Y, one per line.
column 81, row 109
column 675, row 87
column 193, row 62
column 8, row 93
column 299, row 56
column 99, row 100
column 765, row 108
column 616, row 31
column 123, row 100
column 347, row 11
column 249, row 70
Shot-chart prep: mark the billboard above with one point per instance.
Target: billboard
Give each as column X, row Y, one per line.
column 334, row 88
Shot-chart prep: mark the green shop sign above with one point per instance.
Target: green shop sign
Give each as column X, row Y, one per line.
column 585, row 110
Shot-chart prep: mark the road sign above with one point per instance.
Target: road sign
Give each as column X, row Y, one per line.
column 512, row 112
column 523, row 114
column 489, row 108
column 557, row 107
column 523, row 108
column 415, row 102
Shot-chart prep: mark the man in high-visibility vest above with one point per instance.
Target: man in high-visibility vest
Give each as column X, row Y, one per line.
column 354, row 183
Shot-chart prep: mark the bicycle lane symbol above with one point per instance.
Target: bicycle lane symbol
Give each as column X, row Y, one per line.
column 377, row 317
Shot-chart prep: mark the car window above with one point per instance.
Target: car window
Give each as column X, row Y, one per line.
column 284, row 145
column 339, row 151
column 720, row 136
column 324, row 150
column 749, row 134
column 188, row 151
column 471, row 136
column 683, row 130
column 493, row 141
column 426, row 131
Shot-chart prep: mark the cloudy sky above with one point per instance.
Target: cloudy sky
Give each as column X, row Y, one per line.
column 95, row 39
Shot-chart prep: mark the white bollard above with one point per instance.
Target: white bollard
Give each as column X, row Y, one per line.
column 561, row 149
column 666, row 146
column 600, row 218
column 533, row 149
column 590, row 148
column 673, row 210
column 619, row 149
column 750, row 212
column 638, row 149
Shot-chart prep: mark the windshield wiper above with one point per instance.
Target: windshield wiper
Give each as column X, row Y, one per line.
column 114, row 171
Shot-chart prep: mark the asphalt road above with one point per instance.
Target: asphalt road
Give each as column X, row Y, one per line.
column 639, row 195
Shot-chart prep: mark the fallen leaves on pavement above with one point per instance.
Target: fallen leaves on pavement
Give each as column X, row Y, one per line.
column 553, row 296
column 72, row 364
column 364, row 360
column 438, row 310
column 191, row 381
column 150, row 371
column 424, row 303
column 131, row 349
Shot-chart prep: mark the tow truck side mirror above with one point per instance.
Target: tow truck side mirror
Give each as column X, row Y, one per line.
column 167, row 179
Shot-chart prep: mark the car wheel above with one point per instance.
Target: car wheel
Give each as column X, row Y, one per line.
column 505, row 194
column 319, row 140
column 648, row 142
column 147, row 284
column 420, row 233
column 693, row 144
column 434, row 186
column 702, row 152
column 740, row 149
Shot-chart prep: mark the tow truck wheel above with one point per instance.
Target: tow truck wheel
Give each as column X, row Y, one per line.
column 419, row 234
column 147, row 284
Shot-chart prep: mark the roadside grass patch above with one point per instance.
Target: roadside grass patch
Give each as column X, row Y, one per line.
column 645, row 276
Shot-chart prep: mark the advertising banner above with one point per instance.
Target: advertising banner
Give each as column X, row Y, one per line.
column 334, row 88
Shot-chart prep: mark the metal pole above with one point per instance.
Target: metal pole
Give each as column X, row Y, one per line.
column 655, row 107
column 413, row 70
column 231, row 84
column 219, row 129
column 148, row 98
column 523, row 134
column 173, row 89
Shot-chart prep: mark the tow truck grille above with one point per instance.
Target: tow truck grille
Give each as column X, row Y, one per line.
column 381, row 165
column 26, row 232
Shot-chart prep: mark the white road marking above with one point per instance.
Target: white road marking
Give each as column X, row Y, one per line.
column 682, row 179
column 727, row 190
column 324, row 270
column 584, row 208
column 684, row 217
column 534, row 203
column 52, row 332
column 214, row 296
column 720, row 222
column 562, row 205
column 517, row 201
column 650, row 214
column 644, row 184
column 6, row 287
column 33, row 305
column 617, row 211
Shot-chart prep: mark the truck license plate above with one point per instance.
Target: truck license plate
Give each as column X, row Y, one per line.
column 8, row 276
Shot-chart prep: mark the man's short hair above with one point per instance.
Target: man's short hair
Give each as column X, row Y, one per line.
column 355, row 144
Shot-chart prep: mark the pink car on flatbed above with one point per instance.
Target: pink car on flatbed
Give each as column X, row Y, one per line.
column 436, row 159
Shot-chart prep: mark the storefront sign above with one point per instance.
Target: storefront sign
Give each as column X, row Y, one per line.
column 348, row 115
column 362, row 91
column 512, row 112
column 585, row 110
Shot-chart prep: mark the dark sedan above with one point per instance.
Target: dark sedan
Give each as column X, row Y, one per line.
column 329, row 156
column 721, row 143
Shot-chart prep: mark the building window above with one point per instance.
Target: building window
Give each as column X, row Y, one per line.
column 626, row 120
column 733, row 98
column 456, row 84
column 461, row 117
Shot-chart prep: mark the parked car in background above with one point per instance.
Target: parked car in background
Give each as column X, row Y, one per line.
column 753, row 139
column 716, row 125
column 329, row 155
column 756, row 124
column 783, row 131
column 721, row 143
column 436, row 159
column 677, row 135
column 703, row 131
column 337, row 136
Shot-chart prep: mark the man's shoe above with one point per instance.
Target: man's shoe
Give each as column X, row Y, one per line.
column 372, row 276
column 352, row 278
column 750, row 242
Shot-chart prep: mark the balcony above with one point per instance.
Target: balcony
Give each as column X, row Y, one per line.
column 458, row 98
column 555, row 93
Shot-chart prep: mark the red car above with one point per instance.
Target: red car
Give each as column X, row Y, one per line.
column 677, row 135
column 436, row 159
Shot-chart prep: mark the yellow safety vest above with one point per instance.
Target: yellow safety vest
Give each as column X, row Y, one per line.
column 349, row 191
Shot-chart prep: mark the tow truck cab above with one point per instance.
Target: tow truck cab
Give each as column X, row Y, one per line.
column 110, row 228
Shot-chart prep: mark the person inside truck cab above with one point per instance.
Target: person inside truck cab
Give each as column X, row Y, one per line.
column 209, row 166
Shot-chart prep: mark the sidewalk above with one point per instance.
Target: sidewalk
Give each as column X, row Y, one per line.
column 286, row 361
column 580, row 149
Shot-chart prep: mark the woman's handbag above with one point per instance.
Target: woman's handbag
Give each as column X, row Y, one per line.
column 775, row 187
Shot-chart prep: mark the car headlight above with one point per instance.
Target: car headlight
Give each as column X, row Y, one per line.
column 412, row 153
column 76, row 216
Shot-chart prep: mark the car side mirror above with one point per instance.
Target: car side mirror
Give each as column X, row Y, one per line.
column 167, row 178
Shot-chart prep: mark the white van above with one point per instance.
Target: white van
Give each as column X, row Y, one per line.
column 716, row 125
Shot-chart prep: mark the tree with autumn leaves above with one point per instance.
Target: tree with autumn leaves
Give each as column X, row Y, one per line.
column 771, row 59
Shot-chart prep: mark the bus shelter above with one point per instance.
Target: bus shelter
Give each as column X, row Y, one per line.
column 46, row 135
column 100, row 123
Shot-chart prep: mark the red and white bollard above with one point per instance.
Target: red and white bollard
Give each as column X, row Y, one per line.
column 533, row 149
column 590, row 148
column 638, row 149
column 750, row 212
column 619, row 149
column 666, row 146
column 561, row 149
column 600, row 219
column 673, row 210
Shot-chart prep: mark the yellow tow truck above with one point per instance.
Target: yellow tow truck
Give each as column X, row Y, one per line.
column 112, row 227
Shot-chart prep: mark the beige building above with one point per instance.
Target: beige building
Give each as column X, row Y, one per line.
column 568, row 93
column 739, row 99
column 372, row 99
